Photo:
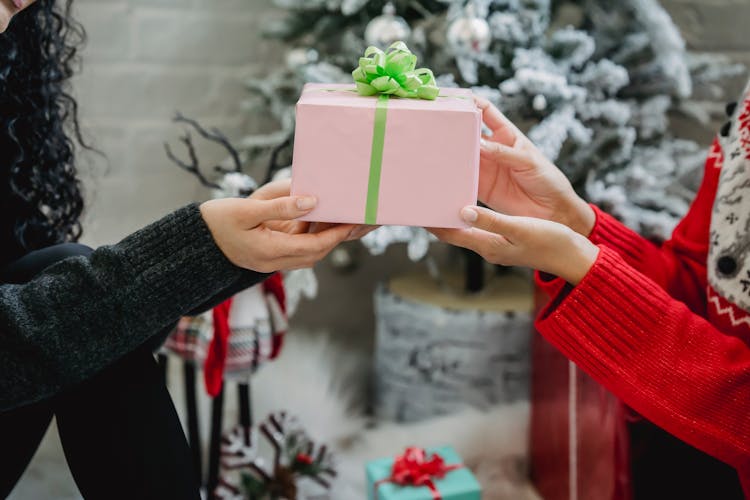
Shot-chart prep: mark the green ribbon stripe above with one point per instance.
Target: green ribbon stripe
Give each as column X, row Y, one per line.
column 376, row 160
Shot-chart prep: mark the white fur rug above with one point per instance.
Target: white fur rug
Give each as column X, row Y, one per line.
column 326, row 389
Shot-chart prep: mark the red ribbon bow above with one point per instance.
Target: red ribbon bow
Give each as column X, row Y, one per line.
column 414, row 468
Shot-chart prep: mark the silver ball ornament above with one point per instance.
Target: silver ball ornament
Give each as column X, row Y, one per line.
column 300, row 56
column 387, row 28
column 469, row 34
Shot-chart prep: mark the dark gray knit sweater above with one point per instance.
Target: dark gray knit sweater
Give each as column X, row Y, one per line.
column 82, row 314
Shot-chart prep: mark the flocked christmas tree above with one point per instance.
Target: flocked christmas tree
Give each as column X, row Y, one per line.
column 592, row 81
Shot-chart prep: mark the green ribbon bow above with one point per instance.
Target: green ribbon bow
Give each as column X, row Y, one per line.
column 393, row 73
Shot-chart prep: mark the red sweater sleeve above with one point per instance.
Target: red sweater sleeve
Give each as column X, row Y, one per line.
column 664, row 361
column 679, row 265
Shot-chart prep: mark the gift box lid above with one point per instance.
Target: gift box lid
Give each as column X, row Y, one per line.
column 337, row 94
column 458, row 484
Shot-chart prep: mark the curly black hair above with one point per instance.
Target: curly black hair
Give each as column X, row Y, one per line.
column 40, row 193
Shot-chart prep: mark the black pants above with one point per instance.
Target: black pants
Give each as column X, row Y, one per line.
column 664, row 467
column 119, row 430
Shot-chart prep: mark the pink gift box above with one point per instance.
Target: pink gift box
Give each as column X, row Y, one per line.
column 429, row 149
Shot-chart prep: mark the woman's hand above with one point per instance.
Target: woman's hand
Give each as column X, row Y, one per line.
column 260, row 232
column 281, row 188
column 515, row 177
column 524, row 241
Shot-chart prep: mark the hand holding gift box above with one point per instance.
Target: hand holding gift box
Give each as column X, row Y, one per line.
column 394, row 149
column 417, row 474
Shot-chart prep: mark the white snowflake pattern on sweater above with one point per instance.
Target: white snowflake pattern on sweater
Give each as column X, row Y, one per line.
column 728, row 262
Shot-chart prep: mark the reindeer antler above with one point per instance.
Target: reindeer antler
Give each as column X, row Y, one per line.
column 213, row 135
column 273, row 163
column 193, row 166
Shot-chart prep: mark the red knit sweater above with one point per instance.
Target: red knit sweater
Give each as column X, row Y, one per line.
column 646, row 323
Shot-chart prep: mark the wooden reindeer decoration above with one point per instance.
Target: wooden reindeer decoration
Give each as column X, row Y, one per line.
column 295, row 456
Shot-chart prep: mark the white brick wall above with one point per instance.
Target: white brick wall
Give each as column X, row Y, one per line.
column 144, row 60
column 713, row 25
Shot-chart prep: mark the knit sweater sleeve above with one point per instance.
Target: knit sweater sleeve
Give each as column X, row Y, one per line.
column 679, row 265
column 83, row 313
column 663, row 360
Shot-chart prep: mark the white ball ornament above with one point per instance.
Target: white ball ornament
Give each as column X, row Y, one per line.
column 539, row 103
column 342, row 259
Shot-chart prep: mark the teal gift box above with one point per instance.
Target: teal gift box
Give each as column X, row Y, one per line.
column 457, row 484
